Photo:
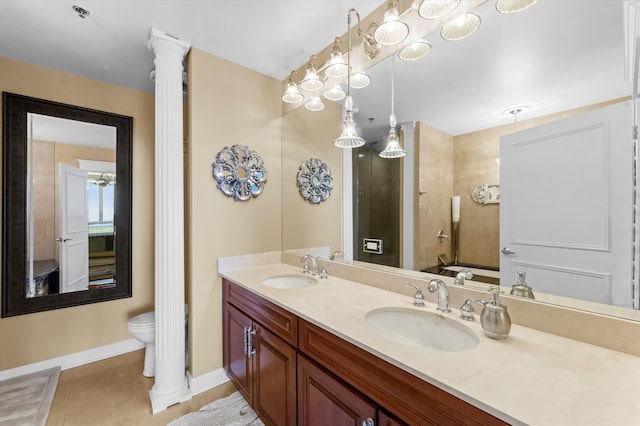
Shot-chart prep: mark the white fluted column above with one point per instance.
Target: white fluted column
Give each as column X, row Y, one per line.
column 171, row 385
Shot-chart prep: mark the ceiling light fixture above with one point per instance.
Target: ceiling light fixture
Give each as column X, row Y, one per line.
column 392, row 30
column 416, row 50
column 81, row 11
column 314, row 104
column 393, row 148
column 434, row 9
column 349, row 137
column 292, row 95
column 335, row 93
column 460, row 27
column 336, row 67
column 513, row 6
column 311, row 82
column 359, row 81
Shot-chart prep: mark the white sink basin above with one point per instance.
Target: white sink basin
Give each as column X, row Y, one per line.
column 290, row 281
column 421, row 329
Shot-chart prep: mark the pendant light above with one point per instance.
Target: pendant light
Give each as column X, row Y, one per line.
column 393, row 148
column 460, row 27
column 349, row 137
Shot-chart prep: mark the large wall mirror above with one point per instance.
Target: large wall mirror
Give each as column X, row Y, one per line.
column 66, row 224
column 555, row 60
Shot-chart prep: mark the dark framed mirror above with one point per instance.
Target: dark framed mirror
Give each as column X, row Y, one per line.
column 81, row 253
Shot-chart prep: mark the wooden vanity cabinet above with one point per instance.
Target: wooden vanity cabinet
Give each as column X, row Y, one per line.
column 259, row 362
column 324, row 399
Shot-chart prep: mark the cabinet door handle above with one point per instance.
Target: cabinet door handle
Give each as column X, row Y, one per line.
column 250, row 349
column 368, row 422
column 246, row 340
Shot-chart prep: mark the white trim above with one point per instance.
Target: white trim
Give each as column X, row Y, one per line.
column 97, row 166
column 76, row 359
column 207, row 381
column 408, row 130
column 347, row 205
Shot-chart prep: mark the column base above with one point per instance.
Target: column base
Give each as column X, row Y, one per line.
column 160, row 402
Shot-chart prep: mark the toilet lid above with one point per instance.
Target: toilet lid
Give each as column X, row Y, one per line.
column 143, row 320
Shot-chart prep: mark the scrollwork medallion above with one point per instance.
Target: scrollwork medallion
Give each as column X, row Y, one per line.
column 314, row 181
column 239, row 172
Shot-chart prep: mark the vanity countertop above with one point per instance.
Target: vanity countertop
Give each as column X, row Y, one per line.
column 531, row 378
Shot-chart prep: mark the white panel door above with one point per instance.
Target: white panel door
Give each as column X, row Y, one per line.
column 74, row 229
column 566, row 206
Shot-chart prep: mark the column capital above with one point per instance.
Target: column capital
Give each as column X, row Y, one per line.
column 157, row 36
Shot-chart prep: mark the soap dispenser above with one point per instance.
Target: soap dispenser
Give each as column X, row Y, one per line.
column 494, row 317
column 521, row 288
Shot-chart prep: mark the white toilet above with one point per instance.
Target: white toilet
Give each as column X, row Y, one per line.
column 143, row 328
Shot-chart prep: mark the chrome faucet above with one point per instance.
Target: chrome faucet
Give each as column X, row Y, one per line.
column 335, row 254
column 443, row 294
column 461, row 275
column 305, row 264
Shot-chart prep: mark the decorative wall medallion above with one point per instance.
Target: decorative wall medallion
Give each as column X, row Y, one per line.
column 486, row 194
column 314, row 181
column 239, row 172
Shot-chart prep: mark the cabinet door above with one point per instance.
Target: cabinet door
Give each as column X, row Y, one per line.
column 274, row 378
column 236, row 362
column 386, row 419
column 324, row 400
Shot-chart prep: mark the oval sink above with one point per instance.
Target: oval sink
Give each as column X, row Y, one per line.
column 290, row 281
column 421, row 329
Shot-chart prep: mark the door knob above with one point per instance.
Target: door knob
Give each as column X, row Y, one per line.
column 507, row 250
column 368, row 422
column 63, row 240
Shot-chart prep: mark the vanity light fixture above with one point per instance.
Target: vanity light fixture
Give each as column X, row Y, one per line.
column 311, row 82
column 336, row 67
column 314, row 104
column 349, row 137
column 460, row 27
column 513, row 6
column 359, row 81
column 335, row 94
column 416, row 50
column 392, row 30
column 434, row 9
column 292, row 95
column 393, row 148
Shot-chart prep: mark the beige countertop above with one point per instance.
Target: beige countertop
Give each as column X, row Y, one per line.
column 531, row 378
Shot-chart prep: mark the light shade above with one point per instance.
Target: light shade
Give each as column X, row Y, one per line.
column 292, row 95
column 349, row 137
column 336, row 67
column 311, row 82
column 392, row 30
column 359, row 80
column 434, row 9
column 416, row 50
column 513, row 6
column 335, row 93
column 460, row 27
column 314, row 104
column 393, row 148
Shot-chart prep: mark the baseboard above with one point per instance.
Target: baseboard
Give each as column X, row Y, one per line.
column 76, row 359
column 207, row 381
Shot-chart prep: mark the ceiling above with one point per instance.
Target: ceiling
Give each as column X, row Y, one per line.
column 559, row 54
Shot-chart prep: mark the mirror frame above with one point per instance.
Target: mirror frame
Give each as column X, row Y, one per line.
column 14, row 235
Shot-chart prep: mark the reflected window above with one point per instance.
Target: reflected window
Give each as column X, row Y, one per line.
column 100, row 196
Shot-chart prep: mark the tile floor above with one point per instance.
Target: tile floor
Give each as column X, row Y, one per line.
column 114, row 392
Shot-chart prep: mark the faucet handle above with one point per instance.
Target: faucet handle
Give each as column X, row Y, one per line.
column 467, row 311
column 323, row 273
column 418, row 297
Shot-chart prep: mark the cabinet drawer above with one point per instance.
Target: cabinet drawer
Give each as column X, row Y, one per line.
column 411, row 399
column 279, row 321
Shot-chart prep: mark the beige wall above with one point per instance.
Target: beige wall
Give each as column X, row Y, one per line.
column 36, row 337
column 305, row 135
column 44, row 217
column 434, row 150
column 228, row 105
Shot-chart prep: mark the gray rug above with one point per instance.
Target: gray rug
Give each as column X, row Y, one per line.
column 232, row 410
column 26, row 400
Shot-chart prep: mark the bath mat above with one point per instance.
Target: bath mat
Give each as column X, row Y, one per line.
column 232, row 410
column 26, row 400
